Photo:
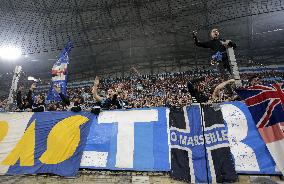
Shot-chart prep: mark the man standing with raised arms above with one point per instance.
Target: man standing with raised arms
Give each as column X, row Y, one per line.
column 218, row 46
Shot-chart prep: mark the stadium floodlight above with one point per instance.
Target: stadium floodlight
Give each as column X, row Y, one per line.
column 10, row 53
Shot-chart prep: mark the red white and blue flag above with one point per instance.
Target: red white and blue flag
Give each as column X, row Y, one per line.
column 266, row 104
column 59, row 73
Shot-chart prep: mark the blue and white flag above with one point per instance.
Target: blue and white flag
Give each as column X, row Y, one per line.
column 59, row 74
column 200, row 147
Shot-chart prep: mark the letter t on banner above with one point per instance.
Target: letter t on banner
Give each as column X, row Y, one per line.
column 125, row 135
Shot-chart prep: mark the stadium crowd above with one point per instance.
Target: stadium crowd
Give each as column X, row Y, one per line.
column 143, row 91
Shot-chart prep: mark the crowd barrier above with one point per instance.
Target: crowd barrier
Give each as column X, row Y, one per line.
column 137, row 139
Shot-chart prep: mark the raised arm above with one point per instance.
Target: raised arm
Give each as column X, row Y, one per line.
column 95, row 90
column 198, row 43
column 221, row 86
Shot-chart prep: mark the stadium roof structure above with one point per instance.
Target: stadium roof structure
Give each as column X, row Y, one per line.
column 110, row 36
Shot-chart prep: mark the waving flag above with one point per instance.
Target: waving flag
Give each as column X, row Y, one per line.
column 59, row 73
column 266, row 104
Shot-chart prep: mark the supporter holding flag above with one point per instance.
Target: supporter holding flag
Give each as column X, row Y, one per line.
column 75, row 105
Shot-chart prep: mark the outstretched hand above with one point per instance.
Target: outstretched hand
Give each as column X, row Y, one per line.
column 96, row 81
column 94, row 89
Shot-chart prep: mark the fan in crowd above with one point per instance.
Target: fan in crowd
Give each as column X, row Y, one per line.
column 76, row 104
column 113, row 100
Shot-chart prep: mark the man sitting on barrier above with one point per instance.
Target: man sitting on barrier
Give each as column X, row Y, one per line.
column 218, row 46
